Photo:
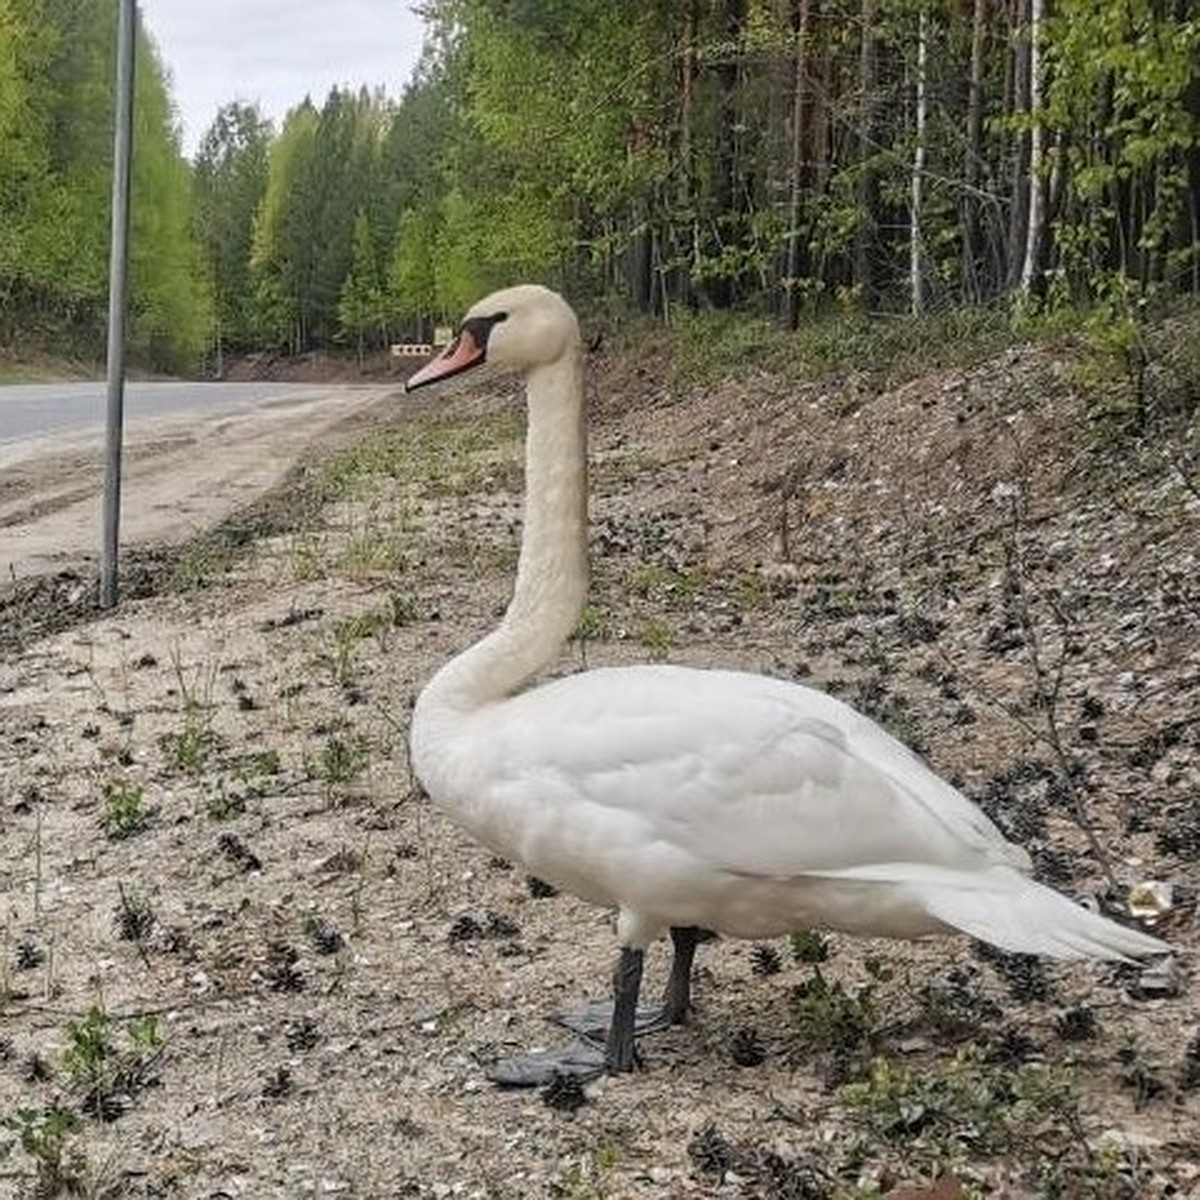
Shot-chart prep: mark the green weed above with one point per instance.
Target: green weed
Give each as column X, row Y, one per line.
column 671, row 587
column 106, row 1064
column 809, row 946
column 658, row 637
column 828, row 1018
column 342, row 760
column 46, row 1136
column 964, row 1108
column 124, row 813
column 189, row 748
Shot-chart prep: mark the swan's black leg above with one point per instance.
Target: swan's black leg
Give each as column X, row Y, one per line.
column 586, row 1060
column 677, row 999
column 627, row 982
column 618, row 1022
column 595, row 1019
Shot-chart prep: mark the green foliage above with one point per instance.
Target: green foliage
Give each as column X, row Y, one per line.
column 828, row 1018
column 964, row 1106
column 809, row 946
column 1119, row 82
column 230, row 178
column 281, row 257
column 45, row 1135
column 188, row 748
column 341, row 761
column 56, row 112
column 659, row 154
column 105, row 1063
column 411, row 293
column 361, row 307
column 124, row 813
column 307, row 232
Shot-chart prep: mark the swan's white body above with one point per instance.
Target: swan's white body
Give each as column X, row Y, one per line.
column 745, row 805
column 734, row 802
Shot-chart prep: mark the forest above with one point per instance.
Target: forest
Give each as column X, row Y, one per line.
column 774, row 158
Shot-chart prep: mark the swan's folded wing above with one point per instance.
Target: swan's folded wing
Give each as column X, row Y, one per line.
column 747, row 774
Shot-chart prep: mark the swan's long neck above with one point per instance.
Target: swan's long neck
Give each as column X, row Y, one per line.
column 552, row 572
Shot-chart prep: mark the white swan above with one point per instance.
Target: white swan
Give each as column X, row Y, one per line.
column 687, row 799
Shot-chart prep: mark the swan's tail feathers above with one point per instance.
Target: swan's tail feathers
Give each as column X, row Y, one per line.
column 1017, row 914
column 1007, row 909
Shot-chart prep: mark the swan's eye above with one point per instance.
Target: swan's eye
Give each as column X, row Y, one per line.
column 480, row 328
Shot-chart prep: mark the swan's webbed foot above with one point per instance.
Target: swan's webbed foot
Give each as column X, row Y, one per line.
column 594, row 1019
column 581, row 1060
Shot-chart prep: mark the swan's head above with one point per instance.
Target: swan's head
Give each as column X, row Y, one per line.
column 516, row 329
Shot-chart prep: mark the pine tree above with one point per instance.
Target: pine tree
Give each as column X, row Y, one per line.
column 360, row 307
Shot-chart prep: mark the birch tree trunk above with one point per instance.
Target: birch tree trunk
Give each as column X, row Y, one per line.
column 868, row 177
column 915, row 280
column 1030, row 269
column 1018, row 102
column 685, row 196
column 971, row 249
column 800, row 140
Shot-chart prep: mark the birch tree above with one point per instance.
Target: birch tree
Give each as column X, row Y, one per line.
column 1030, row 268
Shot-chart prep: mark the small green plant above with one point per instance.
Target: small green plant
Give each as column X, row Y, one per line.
column 45, row 1135
column 87, row 1060
column 826, row 1017
column 145, row 1035
column 657, row 637
column 342, row 760
column 104, row 1074
column 346, row 633
column 965, row 1105
column 593, row 624
column 124, row 813
column 672, row 586
column 188, row 749
column 809, row 946
column 307, row 555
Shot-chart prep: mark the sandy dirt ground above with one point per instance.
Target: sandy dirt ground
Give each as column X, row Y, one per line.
column 244, row 957
column 181, row 475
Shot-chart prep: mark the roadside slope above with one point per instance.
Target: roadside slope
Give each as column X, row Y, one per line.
column 330, row 964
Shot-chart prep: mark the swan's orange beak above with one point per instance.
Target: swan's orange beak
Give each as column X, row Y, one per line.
column 462, row 354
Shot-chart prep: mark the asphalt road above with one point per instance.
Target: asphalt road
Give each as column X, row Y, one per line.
column 192, row 454
column 38, row 409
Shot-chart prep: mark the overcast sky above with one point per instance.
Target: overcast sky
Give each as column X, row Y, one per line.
column 276, row 52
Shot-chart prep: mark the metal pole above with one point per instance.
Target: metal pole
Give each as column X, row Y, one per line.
column 118, row 263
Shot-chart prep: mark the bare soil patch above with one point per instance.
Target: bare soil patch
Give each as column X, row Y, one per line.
column 209, row 824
